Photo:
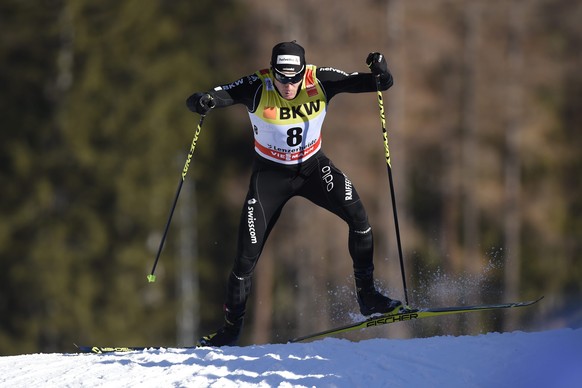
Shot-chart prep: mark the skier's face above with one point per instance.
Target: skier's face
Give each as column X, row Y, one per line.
column 288, row 90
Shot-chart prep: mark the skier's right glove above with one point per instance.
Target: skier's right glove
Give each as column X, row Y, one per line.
column 200, row 103
column 377, row 63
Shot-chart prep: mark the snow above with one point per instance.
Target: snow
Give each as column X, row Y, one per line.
column 551, row 358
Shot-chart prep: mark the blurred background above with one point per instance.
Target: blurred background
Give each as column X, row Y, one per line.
column 485, row 133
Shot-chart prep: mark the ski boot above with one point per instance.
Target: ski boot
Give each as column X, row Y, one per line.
column 228, row 334
column 371, row 301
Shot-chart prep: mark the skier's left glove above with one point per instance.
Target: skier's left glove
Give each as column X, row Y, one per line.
column 377, row 63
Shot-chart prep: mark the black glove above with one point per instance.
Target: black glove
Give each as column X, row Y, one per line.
column 377, row 63
column 200, row 103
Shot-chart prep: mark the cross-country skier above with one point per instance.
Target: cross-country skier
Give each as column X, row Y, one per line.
column 287, row 104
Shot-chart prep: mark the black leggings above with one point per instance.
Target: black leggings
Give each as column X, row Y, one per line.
column 271, row 186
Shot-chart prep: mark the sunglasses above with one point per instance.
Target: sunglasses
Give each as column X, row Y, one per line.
column 288, row 80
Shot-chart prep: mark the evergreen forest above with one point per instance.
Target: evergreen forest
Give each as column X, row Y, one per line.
column 484, row 126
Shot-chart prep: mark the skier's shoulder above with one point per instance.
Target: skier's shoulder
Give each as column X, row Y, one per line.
column 331, row 71
column 247, row 82
column 325, row 73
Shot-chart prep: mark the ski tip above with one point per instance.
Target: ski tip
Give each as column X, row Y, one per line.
column 530, row 302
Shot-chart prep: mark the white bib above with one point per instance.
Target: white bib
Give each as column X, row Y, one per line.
column 289, row 131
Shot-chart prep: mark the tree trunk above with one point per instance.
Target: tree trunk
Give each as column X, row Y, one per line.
column 470, row 142
column 188, row 310
column 470, row 158
column 512, row 223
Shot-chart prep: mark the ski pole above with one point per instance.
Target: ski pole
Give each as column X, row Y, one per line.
column 390, row 179
column 151, row 277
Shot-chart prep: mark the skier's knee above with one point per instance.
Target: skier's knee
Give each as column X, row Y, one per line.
column 363, row 234
column 244, row 266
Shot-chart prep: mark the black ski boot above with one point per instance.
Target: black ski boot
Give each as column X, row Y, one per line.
column 228, row 334
column 371, row 301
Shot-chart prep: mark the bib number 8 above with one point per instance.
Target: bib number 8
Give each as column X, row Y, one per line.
column 294, row 136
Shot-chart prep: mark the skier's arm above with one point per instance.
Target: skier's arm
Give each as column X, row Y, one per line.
column 336, row 81
column 241, row 91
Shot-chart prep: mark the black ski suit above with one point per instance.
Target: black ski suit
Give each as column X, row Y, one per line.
column 274, row 182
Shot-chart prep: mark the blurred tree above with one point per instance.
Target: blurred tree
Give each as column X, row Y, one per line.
column 95, row 132
column 93, row 164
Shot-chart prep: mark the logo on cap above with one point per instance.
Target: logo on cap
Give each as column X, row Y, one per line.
column 288, row 60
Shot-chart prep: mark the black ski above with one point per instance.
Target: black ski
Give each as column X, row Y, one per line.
column 409, row 315
column 384, row 319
